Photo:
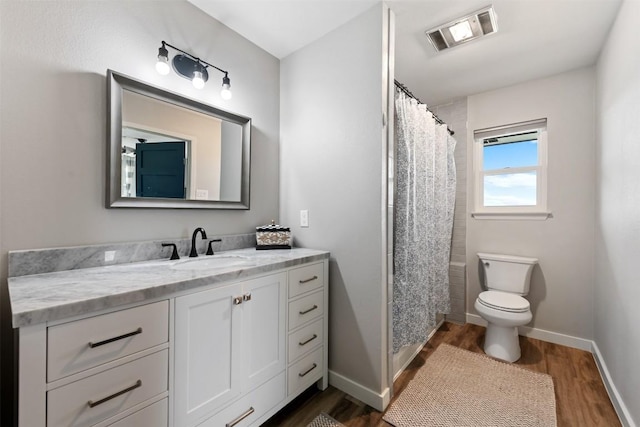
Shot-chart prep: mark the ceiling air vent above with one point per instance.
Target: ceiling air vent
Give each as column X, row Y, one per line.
column 463, row 30
column 437, row 40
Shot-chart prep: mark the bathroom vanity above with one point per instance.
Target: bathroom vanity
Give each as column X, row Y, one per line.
column 223, row 340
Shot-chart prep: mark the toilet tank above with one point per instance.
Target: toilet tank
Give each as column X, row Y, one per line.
column 507, row 273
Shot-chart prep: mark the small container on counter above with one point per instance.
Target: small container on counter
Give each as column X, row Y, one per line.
column 273, row 236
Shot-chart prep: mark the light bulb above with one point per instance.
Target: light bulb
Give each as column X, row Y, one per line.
column 162, row 66
column 197, row 81
column 225, row 93
column 461, row 31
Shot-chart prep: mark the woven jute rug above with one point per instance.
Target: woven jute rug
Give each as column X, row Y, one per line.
column 324, row 420
column 458, row 388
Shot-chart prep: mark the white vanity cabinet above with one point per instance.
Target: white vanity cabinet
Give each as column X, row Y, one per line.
column 257, row 343
column 229, row 341
column 307, row 328
column 99, row 370
column 223, row 352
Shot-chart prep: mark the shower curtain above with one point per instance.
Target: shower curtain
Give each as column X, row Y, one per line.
column 423, row 221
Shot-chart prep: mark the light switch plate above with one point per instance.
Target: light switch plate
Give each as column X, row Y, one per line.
column 304, row 218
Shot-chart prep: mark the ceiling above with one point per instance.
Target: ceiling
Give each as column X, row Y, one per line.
column 536, row 38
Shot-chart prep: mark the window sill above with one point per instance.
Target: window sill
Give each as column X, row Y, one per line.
column 535, row 216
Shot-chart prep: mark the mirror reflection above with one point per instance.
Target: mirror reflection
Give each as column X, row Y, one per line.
column 172, row 152
column 169, row 151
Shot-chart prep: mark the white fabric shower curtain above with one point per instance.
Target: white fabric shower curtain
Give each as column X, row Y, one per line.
column 423, row 221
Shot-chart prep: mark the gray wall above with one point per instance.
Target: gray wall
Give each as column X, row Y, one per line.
column 454, row 114
column 617, row 291
column 332, row 163
column 53, row 64
column 561, row 292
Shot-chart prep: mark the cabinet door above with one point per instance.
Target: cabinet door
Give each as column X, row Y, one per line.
column 208, row 334
column 264, row 328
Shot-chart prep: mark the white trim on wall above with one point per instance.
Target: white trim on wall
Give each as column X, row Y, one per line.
column 616, row 399
column 378, row 401
column 582, row 344
column 541, row 334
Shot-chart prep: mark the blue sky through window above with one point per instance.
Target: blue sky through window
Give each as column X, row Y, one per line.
column 514, row 155
column 510, row 189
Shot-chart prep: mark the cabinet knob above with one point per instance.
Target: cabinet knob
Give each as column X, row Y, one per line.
column 246, row 297
column 237, row 300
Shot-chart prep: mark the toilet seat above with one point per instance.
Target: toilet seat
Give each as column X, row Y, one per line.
column 504, row 301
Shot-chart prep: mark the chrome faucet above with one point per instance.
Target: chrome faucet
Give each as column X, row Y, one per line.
column 200, row 230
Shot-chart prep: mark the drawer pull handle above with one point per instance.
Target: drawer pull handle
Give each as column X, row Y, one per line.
column 110, row 340
column 308, row 310
column 241, row 417
column 237, row 300
column 246, row 297
column 93, row 404
column 302, row 374
column 307, row 341
column 311, row 279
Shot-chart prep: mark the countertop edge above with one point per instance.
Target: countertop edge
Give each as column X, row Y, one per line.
column 29, row 317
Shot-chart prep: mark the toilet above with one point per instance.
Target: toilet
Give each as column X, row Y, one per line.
column 503, row 305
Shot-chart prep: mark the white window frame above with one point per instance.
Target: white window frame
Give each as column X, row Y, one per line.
column 539, row 211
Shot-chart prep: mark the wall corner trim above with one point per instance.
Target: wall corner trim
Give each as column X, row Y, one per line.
column 378, row 401
column 616, row 399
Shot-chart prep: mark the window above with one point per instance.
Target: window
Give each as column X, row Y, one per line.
column 510, row 165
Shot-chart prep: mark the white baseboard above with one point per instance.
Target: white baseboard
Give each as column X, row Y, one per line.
column 541, row 334
column 616, row 399
column 581, row 344
column 378, row 401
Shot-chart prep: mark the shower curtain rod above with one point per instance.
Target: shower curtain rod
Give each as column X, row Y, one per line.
column 404, row 89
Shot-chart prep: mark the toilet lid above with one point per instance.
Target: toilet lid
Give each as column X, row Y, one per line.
column 504, row 301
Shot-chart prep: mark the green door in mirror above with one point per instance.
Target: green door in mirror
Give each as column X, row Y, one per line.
column 160, row 170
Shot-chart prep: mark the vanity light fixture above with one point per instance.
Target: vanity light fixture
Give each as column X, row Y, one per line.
column 190, row 67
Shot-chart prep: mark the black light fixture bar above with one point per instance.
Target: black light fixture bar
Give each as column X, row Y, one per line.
column 191, row 67
column 195, row 58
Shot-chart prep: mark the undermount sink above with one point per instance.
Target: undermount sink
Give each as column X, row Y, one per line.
column 213, row 262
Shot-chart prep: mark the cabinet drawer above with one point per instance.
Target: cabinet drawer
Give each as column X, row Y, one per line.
column 305, row 340
column 254, row 405
column 305, row 309
column 155, row 415
column 305, row 279
column 70, row 405
column 305, row 372
column 75, row 346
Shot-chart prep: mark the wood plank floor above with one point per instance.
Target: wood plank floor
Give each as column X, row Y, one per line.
column 581, row 399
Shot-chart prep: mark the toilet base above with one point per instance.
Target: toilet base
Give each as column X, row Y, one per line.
column 502, row 342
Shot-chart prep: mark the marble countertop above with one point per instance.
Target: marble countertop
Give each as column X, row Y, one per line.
column 46, row 297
